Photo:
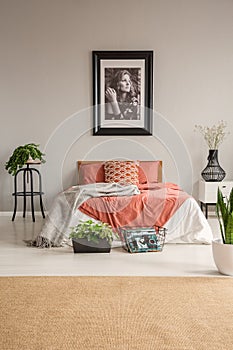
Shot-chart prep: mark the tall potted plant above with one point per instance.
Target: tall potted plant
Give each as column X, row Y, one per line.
column 223, row 248
column 91, row 237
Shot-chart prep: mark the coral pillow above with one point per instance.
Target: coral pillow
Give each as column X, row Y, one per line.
column 124, row 172
column 91, row 173
column 148, row 171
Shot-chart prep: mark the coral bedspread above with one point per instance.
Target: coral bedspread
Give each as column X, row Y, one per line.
column 155, row 205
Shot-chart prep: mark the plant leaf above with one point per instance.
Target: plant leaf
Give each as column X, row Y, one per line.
column 224, row 212
column 92, row 231
column 229, row 229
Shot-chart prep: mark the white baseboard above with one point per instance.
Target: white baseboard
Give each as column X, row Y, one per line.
column 20, row 213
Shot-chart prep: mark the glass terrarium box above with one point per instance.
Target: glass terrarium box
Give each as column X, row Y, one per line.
column 143, row 239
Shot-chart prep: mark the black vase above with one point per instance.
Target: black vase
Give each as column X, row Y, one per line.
column 213, row 172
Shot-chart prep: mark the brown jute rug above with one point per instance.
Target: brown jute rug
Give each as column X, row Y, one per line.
column 82, row 313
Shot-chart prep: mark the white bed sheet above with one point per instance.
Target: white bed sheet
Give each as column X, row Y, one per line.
column 187, row 225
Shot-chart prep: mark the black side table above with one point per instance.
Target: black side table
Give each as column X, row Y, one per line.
column 28, row 177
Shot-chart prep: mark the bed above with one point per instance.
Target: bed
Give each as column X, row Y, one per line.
column 125, row 193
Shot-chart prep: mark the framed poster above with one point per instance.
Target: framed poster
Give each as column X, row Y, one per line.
column 122, row 92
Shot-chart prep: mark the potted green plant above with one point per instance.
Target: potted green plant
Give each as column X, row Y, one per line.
column 223, row 248
column 21, row 155
column 91, row 237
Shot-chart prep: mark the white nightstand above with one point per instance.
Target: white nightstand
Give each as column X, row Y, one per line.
column 208, row 192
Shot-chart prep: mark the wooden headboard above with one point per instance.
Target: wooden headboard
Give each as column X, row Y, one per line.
column 80, row 162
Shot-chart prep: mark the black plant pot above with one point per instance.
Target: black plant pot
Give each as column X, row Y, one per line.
column 213, row 172
column 82, row 245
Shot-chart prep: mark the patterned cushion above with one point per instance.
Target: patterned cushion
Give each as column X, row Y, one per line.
column 124, row 172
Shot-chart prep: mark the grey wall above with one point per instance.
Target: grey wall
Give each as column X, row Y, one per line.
column 46, row 77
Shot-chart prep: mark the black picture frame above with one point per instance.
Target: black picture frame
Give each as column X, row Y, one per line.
column 140, row 64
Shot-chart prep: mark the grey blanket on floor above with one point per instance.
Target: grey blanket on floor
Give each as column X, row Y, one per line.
column 58, row 220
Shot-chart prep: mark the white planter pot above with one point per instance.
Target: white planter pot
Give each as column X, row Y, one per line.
column 223, row 257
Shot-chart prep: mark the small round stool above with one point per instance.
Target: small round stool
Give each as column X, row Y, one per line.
column 28, row 177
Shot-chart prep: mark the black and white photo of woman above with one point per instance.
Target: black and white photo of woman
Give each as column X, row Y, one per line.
column 122, row 94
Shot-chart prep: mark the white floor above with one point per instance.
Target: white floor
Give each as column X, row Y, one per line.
column 17, row 259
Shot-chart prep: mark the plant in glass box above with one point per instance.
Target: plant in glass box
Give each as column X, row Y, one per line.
column 92, row 237
column 223, row 248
